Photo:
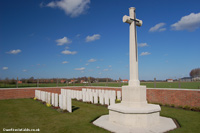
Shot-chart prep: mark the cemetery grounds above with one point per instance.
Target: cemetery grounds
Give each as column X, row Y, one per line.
column 32, row 114
column 185, row 85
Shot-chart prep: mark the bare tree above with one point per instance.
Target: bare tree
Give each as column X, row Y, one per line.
column 195, row 72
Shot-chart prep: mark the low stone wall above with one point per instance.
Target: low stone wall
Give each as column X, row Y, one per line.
column 176, row 97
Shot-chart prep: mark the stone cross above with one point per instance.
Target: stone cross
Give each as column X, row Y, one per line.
column 133, row 54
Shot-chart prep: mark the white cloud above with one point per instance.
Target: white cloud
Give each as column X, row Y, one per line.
column 145, row 53
column 14, row 51
column 157, row 27
column 190, row 22
column 62, row 41
column 66, row 47
column 92, row 38
column 24, row 70
column 87, row 64
column 109, row 66
column 80, row 69
column 72, row 8
column 105, row 69
column 64, row 62
column 92, row 60
column 42, row 4
column 143, row 45
column 5, row 68
column 51, row 4
column 67, row 52
column 98, row 67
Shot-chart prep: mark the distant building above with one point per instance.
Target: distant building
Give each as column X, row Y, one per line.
column 196, row 79
column 73, row 81
column 125, row 81
column 63, row 81
column 186, row 79
column 170, row 80
column 83, row 81
column 19, row 82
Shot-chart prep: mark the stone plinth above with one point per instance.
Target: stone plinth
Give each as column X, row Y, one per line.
column 134, row 110
column 134, row 96
column 134, row 116
column 164, row 125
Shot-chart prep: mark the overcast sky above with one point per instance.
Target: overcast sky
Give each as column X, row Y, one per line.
column 75, row 38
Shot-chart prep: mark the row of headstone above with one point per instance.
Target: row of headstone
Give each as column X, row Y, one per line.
column 104, row 97
column 62, row 100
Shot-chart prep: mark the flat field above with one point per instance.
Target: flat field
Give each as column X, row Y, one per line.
column 27, row 113
column 185, row 85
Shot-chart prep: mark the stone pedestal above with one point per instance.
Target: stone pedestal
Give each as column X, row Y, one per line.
column 134, row 96
column 134, row 114
column 134, row 110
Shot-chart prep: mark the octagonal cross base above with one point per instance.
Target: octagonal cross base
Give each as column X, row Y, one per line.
column 134, row 116
column 144, row 119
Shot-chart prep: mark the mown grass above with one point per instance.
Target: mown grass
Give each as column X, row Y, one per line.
column 27, row 113
column 188, row 120
column 186, row 85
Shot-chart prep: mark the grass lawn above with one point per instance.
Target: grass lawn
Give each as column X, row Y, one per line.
column 186, row 85
column 27, row 113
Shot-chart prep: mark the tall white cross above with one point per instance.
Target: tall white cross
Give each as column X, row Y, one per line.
column 133, row 53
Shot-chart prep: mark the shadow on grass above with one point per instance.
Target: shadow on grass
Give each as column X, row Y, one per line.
column 74, row 108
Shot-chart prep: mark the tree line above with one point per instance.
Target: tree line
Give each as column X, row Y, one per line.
column 55, row 80
column 195, row 73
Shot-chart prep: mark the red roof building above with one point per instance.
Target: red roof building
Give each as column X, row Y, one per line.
column 125, row 80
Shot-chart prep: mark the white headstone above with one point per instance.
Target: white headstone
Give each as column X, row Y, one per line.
column 64, row 99
column 69, row 101
column 91, row 96
column 95, row 98
column 84, row 95
column 46, row 97
column 80, row 95
column 72, row 94
column 42, row 96
column 112, row 97
column 39, row 95
column 97, row 91
column 101, row 98
column 62, row 92
column 87, row 98
column 36, row 93
column 60, row 101
column 106, row 97
column 56, row 100
column 53, row 99
column 49, row 98
column 77, row 95
column 119, row 96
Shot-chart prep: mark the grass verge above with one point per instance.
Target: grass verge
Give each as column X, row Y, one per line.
column 27, row 113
